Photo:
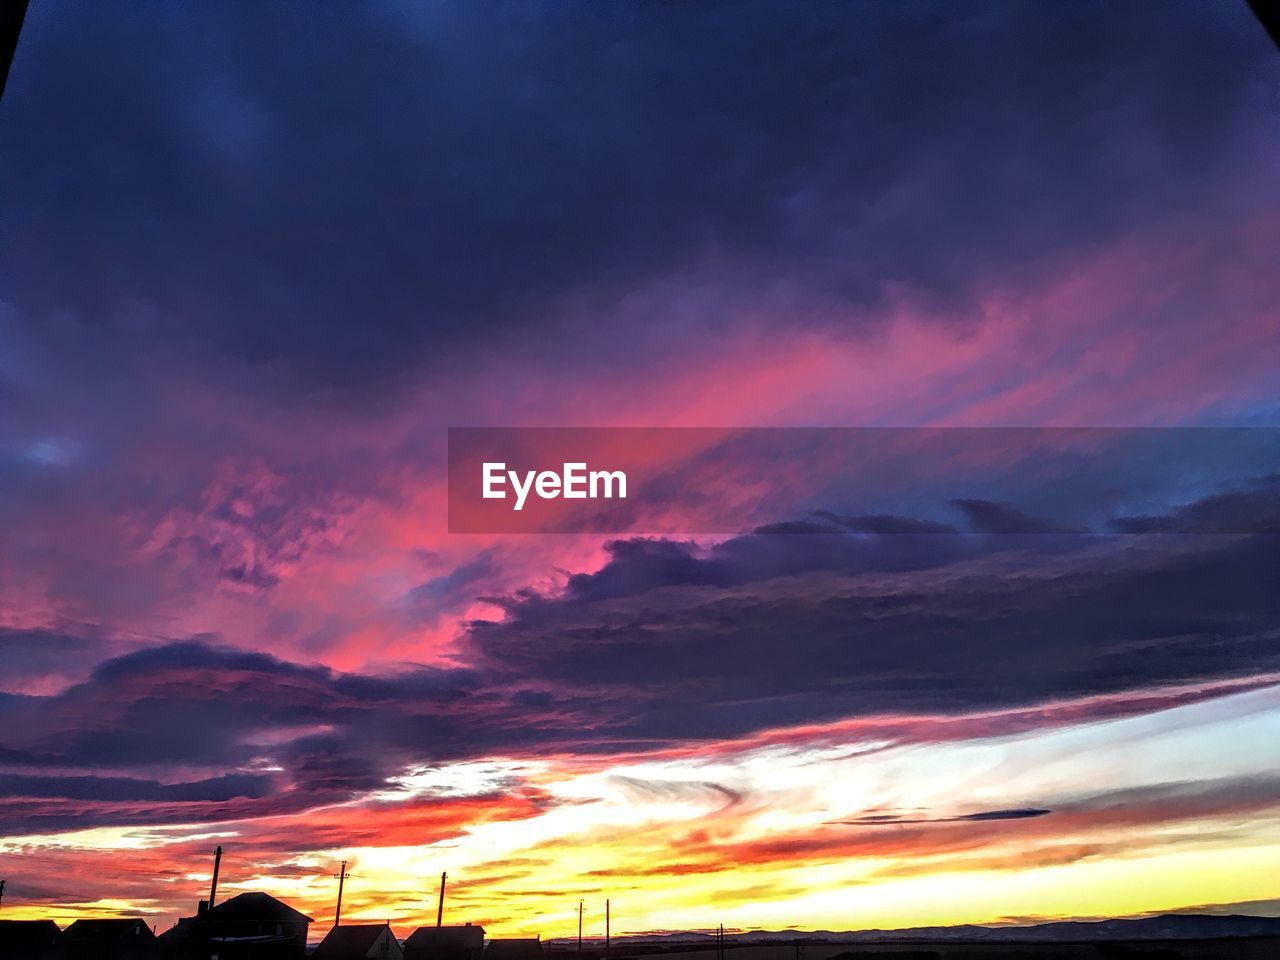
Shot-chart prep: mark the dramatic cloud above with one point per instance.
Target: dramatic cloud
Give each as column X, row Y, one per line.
column 256, row 260
column 890, row 819
column 192, row 707
column 338, row 209
column 932, row 623
column 661, row 645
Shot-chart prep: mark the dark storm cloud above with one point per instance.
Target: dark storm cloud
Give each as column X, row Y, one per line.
column 663, row 645
column 343, row 192
column 915, row 624
column 1230, row 511
column 131, row 788
column 999, row 518
column 827, row 542
column 196, row 704
column 266, row 736
column 983, row 816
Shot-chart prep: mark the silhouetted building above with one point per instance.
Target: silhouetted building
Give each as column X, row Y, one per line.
column 445, row 943
column 252, row 925
column 513, row 950
column 122, row 938
column 29, row 939
column 359, row 941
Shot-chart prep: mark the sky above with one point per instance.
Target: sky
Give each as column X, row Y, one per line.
column 255, row 260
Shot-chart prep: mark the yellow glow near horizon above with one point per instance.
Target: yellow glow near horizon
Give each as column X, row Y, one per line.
column 770, row 837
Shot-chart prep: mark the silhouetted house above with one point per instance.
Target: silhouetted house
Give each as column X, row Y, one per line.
column 513, row 950
column 251, row 925
column 124, row 938
column 29, row 939
column 445, row 943
column 359, row 941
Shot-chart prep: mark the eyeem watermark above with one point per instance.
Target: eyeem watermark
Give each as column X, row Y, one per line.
column 864, row 483
column 574, row 482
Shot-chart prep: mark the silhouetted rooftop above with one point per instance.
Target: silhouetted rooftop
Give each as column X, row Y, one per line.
column 448, row 936
column 519, row 949
column 354, row 940
column 115, row 928
column 254, row 906
column 28, row 933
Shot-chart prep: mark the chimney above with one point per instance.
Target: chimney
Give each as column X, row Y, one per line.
column 203, row 908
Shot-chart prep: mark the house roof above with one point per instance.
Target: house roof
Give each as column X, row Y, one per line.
column 354, row 940
column 520, row 949
column 187, row 928
column 28, row 932
column 447, row 936
column 255, row 907
column 115, row 928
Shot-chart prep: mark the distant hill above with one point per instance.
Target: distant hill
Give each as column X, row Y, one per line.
column 1172, row 926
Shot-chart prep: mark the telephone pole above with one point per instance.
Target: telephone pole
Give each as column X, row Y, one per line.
column 213, row 887
column 579, row 921
column 440, row 902
column 342, row 878
column 606, row 928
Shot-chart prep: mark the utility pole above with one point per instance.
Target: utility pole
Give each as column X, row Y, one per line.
column 606, row 928
column 2, row 902
column 440, row 902
column 217, row 865
column 579, row 920
column 342, row 878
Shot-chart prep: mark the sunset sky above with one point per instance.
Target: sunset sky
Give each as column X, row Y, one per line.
column 255, row 260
